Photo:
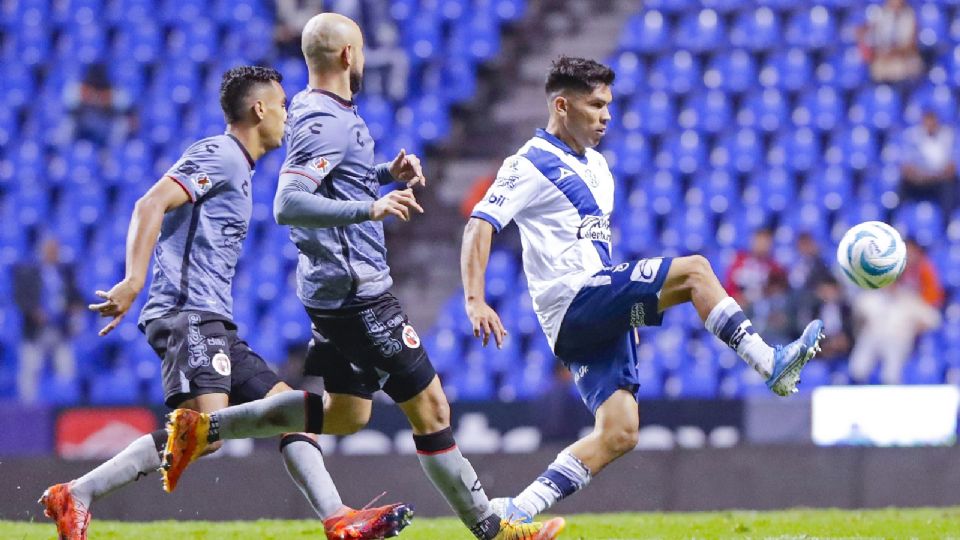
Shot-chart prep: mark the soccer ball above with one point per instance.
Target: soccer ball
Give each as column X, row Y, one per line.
column 872, row 254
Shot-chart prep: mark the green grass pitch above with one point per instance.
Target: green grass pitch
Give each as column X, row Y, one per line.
column 939, row 523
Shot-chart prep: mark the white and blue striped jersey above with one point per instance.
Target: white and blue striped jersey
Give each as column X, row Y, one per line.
column 562, row 203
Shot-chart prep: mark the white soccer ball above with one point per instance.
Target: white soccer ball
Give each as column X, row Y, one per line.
column 872, row 254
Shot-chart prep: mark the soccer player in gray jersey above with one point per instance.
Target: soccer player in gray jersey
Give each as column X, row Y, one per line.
column 363, row 341
column 194, row 220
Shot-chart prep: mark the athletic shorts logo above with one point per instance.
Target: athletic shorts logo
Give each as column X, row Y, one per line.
column 410, row 337
column 646, row 270
column 221, row 363
column 201, row 182
column 196, row 346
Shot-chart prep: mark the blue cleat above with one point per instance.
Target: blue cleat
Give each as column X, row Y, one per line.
column 788, row 360
column 504, row 507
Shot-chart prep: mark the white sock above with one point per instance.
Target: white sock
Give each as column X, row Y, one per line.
column 728, row 322
column 564, row 477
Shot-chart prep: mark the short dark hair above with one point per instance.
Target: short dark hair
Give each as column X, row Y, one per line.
column 578, row 75
column 236, row 85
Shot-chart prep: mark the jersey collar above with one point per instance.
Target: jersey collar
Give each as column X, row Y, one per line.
column 552, row 139
column 346, row 103
column 243, row 149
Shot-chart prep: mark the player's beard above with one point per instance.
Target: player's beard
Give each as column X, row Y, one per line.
column 356, row 82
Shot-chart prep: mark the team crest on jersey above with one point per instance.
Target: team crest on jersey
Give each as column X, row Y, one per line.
column 595, row 228
column 221, row 363
column 201, row 182
column 508, row 182
column 410, row 337
column 321, row 165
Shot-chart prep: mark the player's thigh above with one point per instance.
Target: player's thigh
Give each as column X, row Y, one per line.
column 605, row 369
column 345, row 414
column 684, row 274
column 193, row 363
column 428, row 411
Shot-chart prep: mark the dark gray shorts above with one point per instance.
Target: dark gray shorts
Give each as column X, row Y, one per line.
column 202, row 354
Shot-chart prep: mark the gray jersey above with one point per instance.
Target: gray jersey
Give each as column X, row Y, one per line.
column 200, row 241
column 330, row 161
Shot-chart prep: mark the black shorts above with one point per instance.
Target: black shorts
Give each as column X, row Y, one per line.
column 201, row 354
column 368, row 347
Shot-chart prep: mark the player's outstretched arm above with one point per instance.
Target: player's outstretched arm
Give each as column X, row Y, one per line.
column 142, row 235
column 474, row 255
column 297, row 205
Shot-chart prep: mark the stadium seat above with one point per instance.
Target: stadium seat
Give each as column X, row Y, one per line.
column 677, row 74
column 646, row 32
column 765, row 110
column 824, row 107
column 932, row 24
column 708, row 112
column 756, row 30
column 701, row 31
column 733, row 72
column 877, row 107
column 655, row 110
column 790, row 70
column 812, row 28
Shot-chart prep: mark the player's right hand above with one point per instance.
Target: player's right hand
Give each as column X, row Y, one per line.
column 486, row 322
column 396, row 203
column 117, row 302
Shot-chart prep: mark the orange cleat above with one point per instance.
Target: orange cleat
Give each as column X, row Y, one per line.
column 187, row 432
column 514, row 530
column 71, row 516
column 368, row 523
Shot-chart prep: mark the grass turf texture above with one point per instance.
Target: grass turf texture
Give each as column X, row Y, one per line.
column 807, row 524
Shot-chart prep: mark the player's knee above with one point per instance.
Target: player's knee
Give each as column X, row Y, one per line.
column 621, row 440
column 698, row 271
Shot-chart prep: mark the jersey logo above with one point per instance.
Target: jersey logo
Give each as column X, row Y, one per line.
column 591, row 178
column 410, row 337
column 565, row 173
column 595, row 228
column 321, row 165
column 221, row 363
column 496, row 200
column 646, row 270
column 201, row 182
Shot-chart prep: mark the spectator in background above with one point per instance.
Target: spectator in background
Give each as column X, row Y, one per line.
column 99, row 113
column 51, row 307
column 292, row 16
column 893, row 317
column 889, row 42
column 929, row 170
column 824, row 299
column 774, row 313
column 751, row 271
column 809, row 269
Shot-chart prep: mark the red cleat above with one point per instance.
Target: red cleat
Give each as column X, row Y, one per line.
column 368, row 523
column 71, row 516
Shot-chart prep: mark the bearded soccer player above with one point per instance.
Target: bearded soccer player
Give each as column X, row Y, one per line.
column 363, row 341
column 560, row 193
column 194, row 220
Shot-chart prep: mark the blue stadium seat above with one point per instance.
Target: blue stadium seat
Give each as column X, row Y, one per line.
column 938, row 98
column 33, row 43
column 120, row 12
column 631, row 155
column 877, row 107
column 801, row 149
column 824, row 108
column 923, row 369
column 813, row 28
column 744, row 148
column 423, row 41
column 631, row 72
column 672, row 6
column 646, row 32
column 932, row 24
column 698, row 380
column 719, row 189
column 678, row 73
column 845, row 69
column 459, row 79
column 684, row 152
column 816, row 374
column 734, row 72
column 922, row 220
column 663, row 192
column 765, row 110
column 17, row 86
column 775, row 190
column 701, row 31
column 829, row 188
column 790, row 69
column 140, row 40
column 656, row 111
column 708, row 112
column 445, row 349
column 756, row 30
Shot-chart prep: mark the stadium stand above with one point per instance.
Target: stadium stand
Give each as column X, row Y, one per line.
column 730, row 115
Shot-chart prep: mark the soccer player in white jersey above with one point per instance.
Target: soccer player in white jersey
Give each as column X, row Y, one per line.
column 560, row 193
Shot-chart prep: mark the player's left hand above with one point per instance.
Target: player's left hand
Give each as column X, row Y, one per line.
column 117, row 302
column 406, row 168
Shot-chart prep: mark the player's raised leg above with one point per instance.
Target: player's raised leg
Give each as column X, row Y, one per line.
column 691, row 279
